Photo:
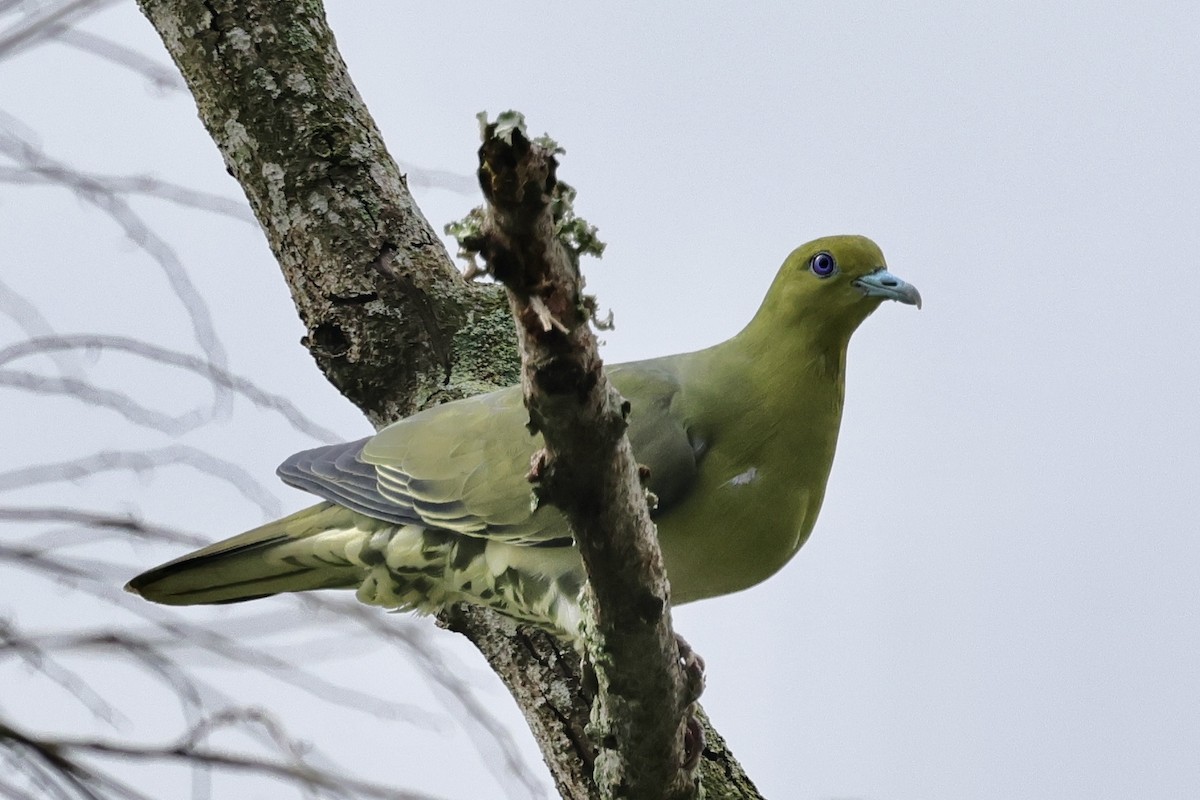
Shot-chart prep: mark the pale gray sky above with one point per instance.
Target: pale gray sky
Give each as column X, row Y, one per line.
column 1000, row 598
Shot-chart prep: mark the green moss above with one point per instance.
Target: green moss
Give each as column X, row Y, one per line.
column 485, row 348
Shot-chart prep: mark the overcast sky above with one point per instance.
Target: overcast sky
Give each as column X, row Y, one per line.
column 1000, row 597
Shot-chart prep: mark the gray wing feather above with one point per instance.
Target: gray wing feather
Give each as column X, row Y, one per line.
column 461, row 467
column 336, row 473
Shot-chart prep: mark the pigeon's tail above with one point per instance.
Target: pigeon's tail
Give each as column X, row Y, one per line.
column 392, row 565
column 315, row 548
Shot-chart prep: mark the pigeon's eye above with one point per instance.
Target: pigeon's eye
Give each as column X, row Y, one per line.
column 823, row 265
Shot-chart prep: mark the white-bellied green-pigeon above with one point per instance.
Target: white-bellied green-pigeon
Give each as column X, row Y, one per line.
column 435, row 509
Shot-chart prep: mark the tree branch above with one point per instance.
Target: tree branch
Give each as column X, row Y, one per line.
column 587, row 469
column 389, row 321
column 371, row 279
column 63, row 754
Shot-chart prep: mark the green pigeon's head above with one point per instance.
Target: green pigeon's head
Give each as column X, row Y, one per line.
column 833, row 284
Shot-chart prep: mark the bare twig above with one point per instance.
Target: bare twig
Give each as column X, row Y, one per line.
column 144, row 461
column 28, row 155
column 87, row 392
column 63, row 754
column 45, row 22
column 144, row 185
column 102, row 520
column 486, row 732
column 127, row 406
column 22, row 311
column 162, row 76
column 425, row 178
column 41, row 657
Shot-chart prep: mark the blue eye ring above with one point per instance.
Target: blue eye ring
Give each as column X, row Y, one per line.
column 823, row 264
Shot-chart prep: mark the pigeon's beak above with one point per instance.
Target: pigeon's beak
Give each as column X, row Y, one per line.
column 882, row 283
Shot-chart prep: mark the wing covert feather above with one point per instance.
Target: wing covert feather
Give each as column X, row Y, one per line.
column 463, row 466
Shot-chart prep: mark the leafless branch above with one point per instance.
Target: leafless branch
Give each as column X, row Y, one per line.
column 143, row 185
column 102, row 520
column 28, row 155
column 20, row 310
column 144, row 461
column 425, row 178
column 488, row 735
column 161, row 76
column 123, row 404
column 42, row 658
column 45, row 22
column 206, row 369
column 126, row 405
column 63, row 754
column 228, row 645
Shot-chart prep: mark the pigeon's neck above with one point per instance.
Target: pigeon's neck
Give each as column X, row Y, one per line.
column 805, row 358
column 793, row 378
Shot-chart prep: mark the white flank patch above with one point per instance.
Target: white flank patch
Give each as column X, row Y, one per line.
column 743, row 478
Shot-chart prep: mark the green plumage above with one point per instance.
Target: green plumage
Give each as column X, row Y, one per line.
column 738, row 438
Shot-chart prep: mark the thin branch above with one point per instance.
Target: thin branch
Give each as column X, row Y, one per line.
column 485, row 731
column 20, row 310
column 100, row 519
column 146, row 461
column 90, row 394
column 62, row 754
column 54, row 23
column 228, row 643
column 163, row 77
column 41, row 658
column 144, row 185
column 214, row 373
column 425, row 178
column 29, row 156
column 44, row 23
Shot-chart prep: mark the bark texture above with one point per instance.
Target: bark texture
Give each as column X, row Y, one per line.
column 543, row 675
column 587, row 469
column 389, row 320
column 371, row 279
